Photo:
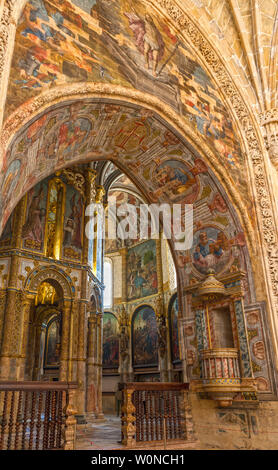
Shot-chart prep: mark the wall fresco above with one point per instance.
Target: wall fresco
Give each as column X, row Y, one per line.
column 145, row 337
column 141, row 270
column 40, row 217
column 110, row 356
column 6, row 237
column 33, row 230
column 73, row 224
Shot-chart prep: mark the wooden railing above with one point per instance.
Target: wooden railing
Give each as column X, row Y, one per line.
column 37, row 415
column 153, row 412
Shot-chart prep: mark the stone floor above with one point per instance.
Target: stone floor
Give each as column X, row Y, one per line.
column 99, row 435
column 106, row 435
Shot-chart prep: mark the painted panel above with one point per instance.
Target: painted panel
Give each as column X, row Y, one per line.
column 6, row 237
column 145, row 337
column 34, row 226
column 141, row 270
column 73, row 224
column 110, row 356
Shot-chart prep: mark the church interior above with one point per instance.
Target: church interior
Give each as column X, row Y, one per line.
column 135, row 104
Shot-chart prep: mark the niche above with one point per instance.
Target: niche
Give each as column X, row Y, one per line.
column 222, row 328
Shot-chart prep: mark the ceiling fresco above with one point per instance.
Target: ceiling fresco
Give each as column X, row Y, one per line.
column 121, row 43
column 163, row 167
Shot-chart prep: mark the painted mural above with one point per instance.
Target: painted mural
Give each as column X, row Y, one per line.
column 118, row 43
column 161, row 164
column 211, row 250
column 73, row 224
column 124, row 200
column 145, row 337
column 176, row 181
column 174, row 333
column 40, row 218
column 141, row 270
column 33, row 230
column 6, row 237
column 110, row 356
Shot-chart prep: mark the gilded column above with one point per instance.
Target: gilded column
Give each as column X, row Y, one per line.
column 65, row 341
column 8, row 364
column 58, row 237
column 100, row 414
column 24, row 330
column 91, row 366
column 100, row 192
column 90, row 195
column 160, row 316
column 81, row 359
column 35, row 358
column 125, row 365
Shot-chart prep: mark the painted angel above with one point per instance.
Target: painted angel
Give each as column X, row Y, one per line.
column 148, row 39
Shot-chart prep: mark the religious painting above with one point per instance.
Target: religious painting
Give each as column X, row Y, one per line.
column 112, row 245
column 142, row 270
column 72, row 135
column 6, row 237
column 73, row 224
column 176, row 181
column 128, row 45
column 52, row 347
column 11, row 179
column 34, row 226
column 100, row 237
column 145, row 337
column 110, row 356
column 174, row 332
column 211, row 250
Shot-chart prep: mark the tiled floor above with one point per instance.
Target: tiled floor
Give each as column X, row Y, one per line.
column 99, row 435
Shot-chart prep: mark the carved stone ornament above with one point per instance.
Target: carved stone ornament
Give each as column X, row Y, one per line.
column 76, row 179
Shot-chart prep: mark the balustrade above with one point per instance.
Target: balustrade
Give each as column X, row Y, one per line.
column 220, row 363
column 154, row 412
column 37, row 415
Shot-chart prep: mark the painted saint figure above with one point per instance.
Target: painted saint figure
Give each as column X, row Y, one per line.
column 72, row 228
column 33, row 226
column 148, row 39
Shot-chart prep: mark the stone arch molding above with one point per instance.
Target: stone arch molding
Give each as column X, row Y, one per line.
column 50, row 273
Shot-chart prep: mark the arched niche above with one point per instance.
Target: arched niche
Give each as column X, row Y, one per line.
column 144, row 338
column 52, row 344
column 54, row 276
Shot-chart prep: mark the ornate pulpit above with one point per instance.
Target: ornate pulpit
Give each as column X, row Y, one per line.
column 223, row 351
